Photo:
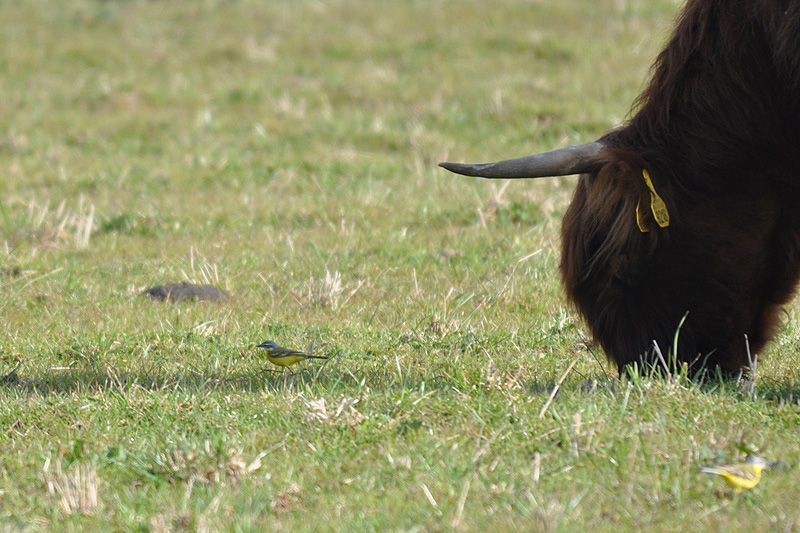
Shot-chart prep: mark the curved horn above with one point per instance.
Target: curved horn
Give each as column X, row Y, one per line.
column 563, row 162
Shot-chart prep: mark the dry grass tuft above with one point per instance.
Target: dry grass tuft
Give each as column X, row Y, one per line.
column 74, row 491
column 48, row 227
column 329, row 292
column 211, row 464
column 286, row 500
column 496, row 201
column 344, row 414
column 496, row 379
column 201, row 270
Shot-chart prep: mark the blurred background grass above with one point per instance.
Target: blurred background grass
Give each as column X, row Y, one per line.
column 286, row 151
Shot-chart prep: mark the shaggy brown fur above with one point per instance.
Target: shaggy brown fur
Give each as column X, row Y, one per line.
column 718, row 128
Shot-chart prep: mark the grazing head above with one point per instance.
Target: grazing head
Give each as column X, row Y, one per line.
column 688, row 214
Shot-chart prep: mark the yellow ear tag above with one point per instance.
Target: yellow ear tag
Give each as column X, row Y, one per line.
column 640, row 218
column 657, row 205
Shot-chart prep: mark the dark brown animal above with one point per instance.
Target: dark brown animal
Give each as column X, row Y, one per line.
column 718, row 130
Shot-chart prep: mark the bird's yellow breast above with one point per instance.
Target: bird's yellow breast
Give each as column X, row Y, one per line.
column 740, row 481
column 285, row 360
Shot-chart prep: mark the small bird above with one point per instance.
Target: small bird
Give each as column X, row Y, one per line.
column 278, row 355
column 741, row 476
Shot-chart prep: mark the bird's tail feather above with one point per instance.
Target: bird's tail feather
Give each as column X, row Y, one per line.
column 710, row 470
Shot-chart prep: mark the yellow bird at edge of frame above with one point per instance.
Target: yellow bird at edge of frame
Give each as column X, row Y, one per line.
column 741, row 476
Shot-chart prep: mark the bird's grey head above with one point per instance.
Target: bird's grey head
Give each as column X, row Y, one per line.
column 758, row 460
column 268, row 345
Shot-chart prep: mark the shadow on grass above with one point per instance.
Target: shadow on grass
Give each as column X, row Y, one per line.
column 780, row 392
column 262, row 380
column 762, row 391
column 330, row 379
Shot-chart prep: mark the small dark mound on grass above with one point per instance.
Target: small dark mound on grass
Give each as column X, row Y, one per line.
column 176, row 292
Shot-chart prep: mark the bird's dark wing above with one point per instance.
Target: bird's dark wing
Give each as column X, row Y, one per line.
column 286, row 352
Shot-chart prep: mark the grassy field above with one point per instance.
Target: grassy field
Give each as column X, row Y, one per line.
column 286, row 151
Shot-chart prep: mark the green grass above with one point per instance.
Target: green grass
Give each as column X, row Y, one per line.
column 286, row 151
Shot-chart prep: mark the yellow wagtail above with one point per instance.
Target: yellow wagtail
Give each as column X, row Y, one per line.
column 278, row 355
column 741, row 476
